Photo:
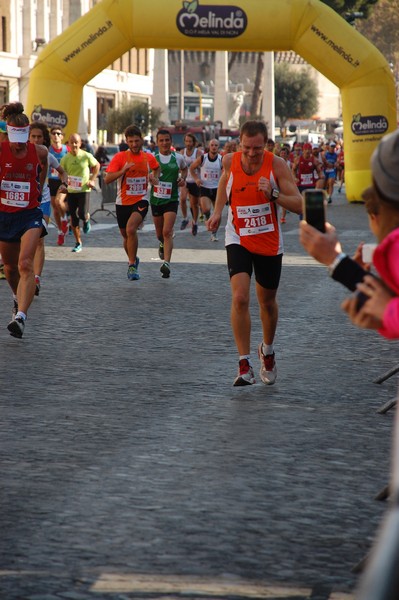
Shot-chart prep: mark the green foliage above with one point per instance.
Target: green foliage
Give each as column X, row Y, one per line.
column 135, row 112
column 296, row 94
column 382, row 28
column 347, row 6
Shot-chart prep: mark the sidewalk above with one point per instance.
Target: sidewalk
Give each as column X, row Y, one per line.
column 131, row 468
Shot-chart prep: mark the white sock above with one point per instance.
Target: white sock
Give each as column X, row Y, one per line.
column 20, row 315
column 267, row 349
column 245, row 357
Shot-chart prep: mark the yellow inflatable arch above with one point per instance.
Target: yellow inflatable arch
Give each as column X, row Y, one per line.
column 308, row 27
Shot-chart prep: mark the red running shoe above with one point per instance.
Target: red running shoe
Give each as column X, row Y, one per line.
column 245, row 374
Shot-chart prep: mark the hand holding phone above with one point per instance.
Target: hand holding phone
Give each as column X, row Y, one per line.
column 314, row 208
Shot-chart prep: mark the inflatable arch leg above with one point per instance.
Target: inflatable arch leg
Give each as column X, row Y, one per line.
column 308, row 27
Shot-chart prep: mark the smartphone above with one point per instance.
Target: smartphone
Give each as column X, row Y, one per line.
column 367, row 252
column 361, row 299
column 314, row 208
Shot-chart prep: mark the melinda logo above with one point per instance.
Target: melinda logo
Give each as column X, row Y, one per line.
column 211, row 21
column 48, row 116
column 369, row 125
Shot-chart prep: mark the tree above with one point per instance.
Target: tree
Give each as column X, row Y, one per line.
column 295, row 94
column 345, row 7
column 382, row 28
column 257, row 94
column 135, row 112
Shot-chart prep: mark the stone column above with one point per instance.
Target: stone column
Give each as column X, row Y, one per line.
column 221, row 88
column 160, row 94
column 29, row 27
column 42, row 21
column 56, row 12
column 268, row 93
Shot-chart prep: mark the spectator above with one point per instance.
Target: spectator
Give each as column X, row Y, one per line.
column 380, row 309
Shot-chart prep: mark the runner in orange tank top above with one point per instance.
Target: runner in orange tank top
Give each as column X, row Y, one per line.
column 254, row 183
column 132, row 170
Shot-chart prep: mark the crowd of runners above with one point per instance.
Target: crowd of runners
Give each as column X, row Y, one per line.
column 43, row 176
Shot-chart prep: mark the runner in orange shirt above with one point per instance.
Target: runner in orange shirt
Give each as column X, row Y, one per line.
column 255, row 183
column 132, row 169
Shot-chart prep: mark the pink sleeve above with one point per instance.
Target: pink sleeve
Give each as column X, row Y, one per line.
column 393, row 269
column 390, row 322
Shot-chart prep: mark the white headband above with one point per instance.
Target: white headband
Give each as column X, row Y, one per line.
column 17, row 134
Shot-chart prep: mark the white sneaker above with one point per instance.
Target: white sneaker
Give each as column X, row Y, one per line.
column 245, row 374
column 214, row 237
column 268, row 369
column 16, row 327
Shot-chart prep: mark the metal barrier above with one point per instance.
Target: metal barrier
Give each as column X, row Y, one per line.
column 108, row 196
column 381, row 577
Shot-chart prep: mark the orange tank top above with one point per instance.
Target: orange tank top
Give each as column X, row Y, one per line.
column 253, row 220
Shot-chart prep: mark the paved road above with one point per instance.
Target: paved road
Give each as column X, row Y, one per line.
column 130, row 466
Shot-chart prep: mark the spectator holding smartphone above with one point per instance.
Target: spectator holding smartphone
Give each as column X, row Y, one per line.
column 380, row 307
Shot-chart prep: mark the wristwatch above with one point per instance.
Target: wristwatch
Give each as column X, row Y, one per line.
column 275, row 194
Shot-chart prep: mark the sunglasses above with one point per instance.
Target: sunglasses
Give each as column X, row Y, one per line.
column 56, row 133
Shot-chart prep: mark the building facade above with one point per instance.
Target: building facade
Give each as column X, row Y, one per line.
column 40, row 21
column 152, row 76
column 199, row 67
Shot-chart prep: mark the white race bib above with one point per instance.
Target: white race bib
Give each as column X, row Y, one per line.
column 75, row 183
column 211, row 175
column 306, row 179
column 256, row 219
column 163, row 190
column 136, row 186
column 15, row 193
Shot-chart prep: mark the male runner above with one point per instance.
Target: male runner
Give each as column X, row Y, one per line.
column 307, row 170
column 82, row 169
column 190, row 154
column 132, row 169
column 165, row 196
column 58, row 150
column 210, row 165
column 23, row 170
column 254, row 182
column 38, row 134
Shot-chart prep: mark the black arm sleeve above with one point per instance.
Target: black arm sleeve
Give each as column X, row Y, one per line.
column 349, row 273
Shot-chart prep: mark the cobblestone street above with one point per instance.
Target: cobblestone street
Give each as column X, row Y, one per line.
column 130, row 466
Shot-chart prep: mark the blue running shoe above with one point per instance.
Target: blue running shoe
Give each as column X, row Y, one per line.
column 132, row 273
column 87, row 226
column 77, row 248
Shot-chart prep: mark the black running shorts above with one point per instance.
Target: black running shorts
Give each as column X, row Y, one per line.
column 125, row 211
column 158, row 210
column 193, row 189
column 267, row 268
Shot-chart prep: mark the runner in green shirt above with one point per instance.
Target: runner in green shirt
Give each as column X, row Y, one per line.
column 165, row 196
